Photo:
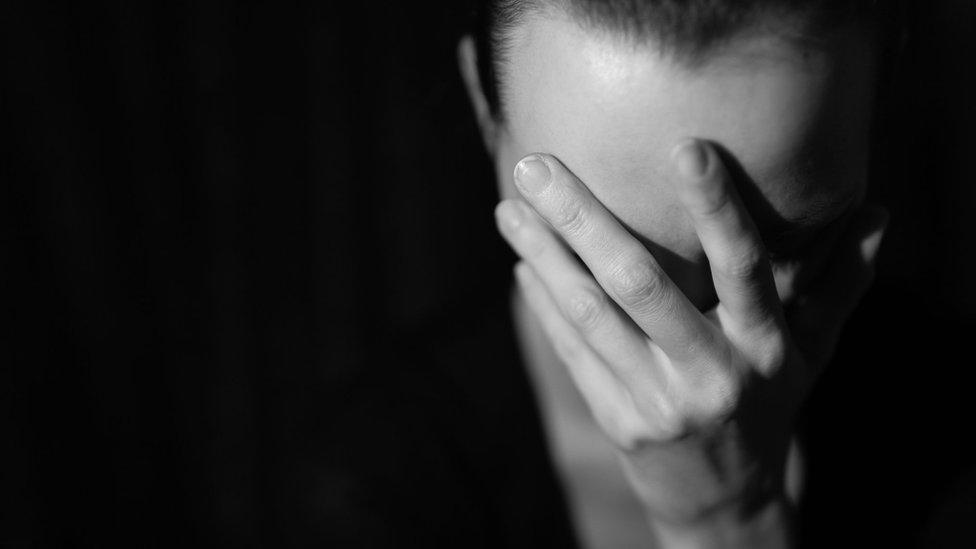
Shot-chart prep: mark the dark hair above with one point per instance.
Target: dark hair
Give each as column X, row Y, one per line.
column 687, row 29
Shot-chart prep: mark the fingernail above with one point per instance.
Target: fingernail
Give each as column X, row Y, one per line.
column 691, row 159
column 532, row 174
column 508, row 215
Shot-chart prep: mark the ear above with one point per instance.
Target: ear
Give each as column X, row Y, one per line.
column 468, row 65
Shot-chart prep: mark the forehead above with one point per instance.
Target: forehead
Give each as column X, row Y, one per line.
column 796, row 120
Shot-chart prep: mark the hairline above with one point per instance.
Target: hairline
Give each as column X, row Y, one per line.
column 794, row 28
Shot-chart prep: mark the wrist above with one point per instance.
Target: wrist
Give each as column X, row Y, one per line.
column 701, row 477
column 708, row 492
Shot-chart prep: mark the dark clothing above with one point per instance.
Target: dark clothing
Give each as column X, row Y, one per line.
column 888, row 429
column 212, row 210
column 449, row 451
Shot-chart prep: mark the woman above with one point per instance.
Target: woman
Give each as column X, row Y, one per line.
column 694, row 379
column 707, row 164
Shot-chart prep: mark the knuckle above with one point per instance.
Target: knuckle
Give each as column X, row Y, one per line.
column 720, row 400
column 570, row 216
column 699, row 345
column 639, row 284
column 710, row 397
column 631, row 440
column 772, row 353
column 625, row 432
column 586, row 308
column 669, row 424
column 713, row 197
column 745, row 266
column 666, row 420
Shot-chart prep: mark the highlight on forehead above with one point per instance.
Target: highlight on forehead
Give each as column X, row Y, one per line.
column 688, row 34
column 691, row 32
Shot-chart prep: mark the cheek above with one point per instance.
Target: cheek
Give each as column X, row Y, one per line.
column 507, row 154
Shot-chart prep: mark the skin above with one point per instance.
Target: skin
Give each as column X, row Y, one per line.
column 796, row 121
column 671, row 184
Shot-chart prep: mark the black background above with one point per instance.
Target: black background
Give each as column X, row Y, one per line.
column 214, row 213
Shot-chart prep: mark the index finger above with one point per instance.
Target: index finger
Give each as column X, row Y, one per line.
column 622, row 266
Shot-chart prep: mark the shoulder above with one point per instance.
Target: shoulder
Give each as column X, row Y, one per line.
column 886, row 428
column 434, row 440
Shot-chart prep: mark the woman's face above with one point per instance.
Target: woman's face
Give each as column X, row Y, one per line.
column 795, row 121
